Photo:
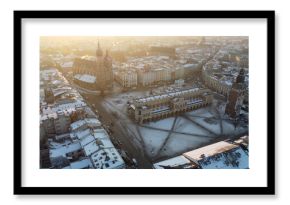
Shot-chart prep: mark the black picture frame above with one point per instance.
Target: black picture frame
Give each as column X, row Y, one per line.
column 268, row 190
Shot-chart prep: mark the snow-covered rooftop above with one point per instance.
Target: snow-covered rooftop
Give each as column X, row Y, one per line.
column 96, row 145
column 220, row 155
column 233, row 159
column 190, row 66
column 209, row 150
column 175, row 162
column 89, row 58
column 85, row 78
column 166, row 95
column 48, row 72
column 65, row 149
column 82, row 164
column 108, row 158
column 85, row 123
column 92, row 140
column 100, row 134
column 91, row 147
column 48, row 116
column 68, row 64
column 86, row 140
column 59, row 92
column 65, row 108
column 80, row 134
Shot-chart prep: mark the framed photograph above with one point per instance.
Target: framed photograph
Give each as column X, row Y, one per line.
column 144, row 102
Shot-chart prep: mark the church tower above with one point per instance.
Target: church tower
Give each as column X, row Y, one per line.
column 236, row 96
column 99, row 52
column 104, row 72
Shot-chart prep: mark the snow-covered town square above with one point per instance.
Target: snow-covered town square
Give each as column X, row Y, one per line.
column 169, row 137
column 144, row 103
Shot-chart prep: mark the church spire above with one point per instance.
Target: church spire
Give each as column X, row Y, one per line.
column 241, row 77
column 99, row 52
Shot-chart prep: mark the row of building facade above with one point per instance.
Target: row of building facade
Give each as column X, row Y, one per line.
column 132, row 77
column 126, row 78
column 96, row 72
column 164, row 105
column 216, row 84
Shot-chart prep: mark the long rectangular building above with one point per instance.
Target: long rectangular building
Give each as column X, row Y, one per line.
column 168, row 104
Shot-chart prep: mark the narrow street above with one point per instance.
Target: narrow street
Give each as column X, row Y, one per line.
column 119, row 135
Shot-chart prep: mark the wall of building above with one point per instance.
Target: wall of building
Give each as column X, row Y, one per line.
column 167, row 106
column 215, row 84
column 126, row 78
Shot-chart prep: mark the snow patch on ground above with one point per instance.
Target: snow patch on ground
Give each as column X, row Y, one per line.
column 163, row 124
column 228, row 128
column 203, row 112
column 183, row 125
column 214, row 126
column 153, row 140
column 180, row 143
